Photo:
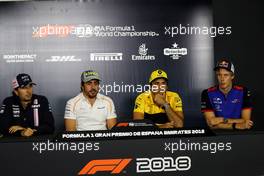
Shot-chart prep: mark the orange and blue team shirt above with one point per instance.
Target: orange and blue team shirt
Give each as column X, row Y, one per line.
column 144, row 104
column 227, row 106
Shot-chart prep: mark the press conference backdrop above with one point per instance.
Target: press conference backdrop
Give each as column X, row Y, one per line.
column 122, row 40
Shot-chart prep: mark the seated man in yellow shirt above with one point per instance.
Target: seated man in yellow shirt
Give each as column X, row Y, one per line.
column 159, row 105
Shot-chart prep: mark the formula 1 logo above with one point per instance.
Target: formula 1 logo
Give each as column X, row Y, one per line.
column 115, row 166
column 143, row 165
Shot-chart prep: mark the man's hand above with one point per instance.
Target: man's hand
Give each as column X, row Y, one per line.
column 246, row 125
column 215, row 121
column 15, row 128
column 27, row 132
column 160, row 99
column 166, row 125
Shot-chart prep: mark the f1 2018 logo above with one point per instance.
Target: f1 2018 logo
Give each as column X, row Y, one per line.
column 115, row 166
column 143, row 165
column 163, row 164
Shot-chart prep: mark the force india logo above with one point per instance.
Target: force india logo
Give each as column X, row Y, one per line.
column 175, row 52
column 143, row 165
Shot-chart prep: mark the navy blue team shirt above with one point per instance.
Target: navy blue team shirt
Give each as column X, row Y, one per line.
column 227, row 106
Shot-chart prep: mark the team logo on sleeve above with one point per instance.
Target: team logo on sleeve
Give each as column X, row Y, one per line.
column 50, row 108
column 177, row 100
column 2, row 109
column 203, row 105
column 136, row 106
column 68, row 110
column 248, row 93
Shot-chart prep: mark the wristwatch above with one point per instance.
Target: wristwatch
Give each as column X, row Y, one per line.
column 234, row 126
column 225, row 121
column 166, row 105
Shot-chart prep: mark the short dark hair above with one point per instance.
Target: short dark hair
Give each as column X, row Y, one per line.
column 13, row 92
column 82, row 84
column 159, row 78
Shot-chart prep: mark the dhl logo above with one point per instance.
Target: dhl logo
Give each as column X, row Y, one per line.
column 115, row 166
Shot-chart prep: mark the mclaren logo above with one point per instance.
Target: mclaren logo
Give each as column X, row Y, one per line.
column 115, row 166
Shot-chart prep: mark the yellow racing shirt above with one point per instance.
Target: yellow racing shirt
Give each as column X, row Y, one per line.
column 144, row 104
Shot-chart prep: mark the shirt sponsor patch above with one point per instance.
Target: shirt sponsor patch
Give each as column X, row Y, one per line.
column 2, row 109
column 102, row 107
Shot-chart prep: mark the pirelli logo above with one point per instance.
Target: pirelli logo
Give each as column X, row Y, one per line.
column 114, row 166
column 106, row 56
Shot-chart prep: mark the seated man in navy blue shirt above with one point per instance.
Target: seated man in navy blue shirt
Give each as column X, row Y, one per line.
column 25, row 113
column 226, row 106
